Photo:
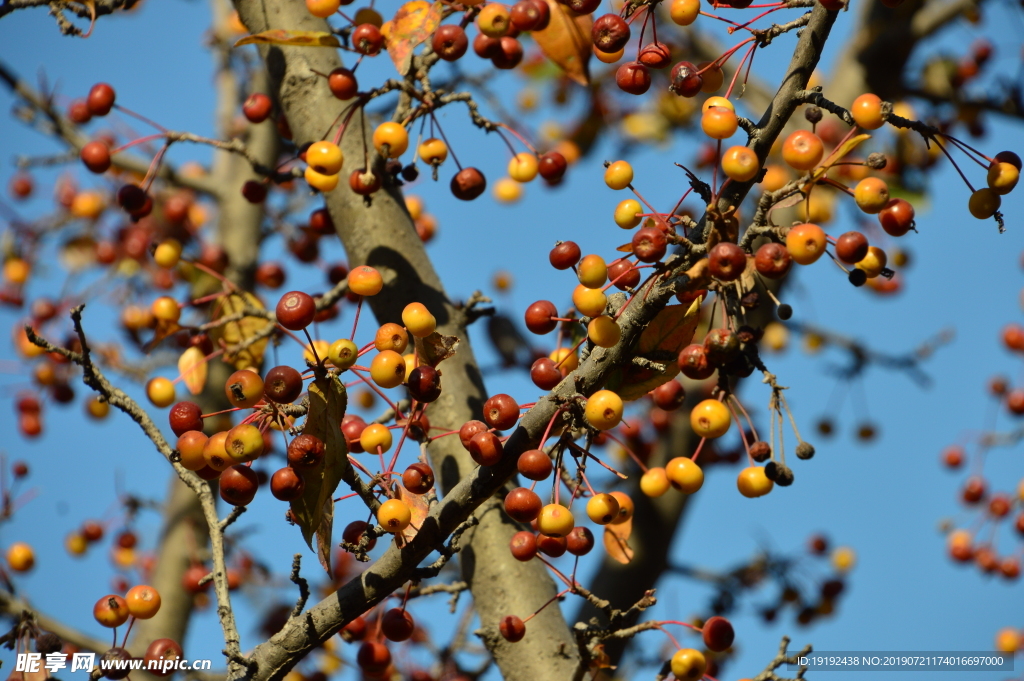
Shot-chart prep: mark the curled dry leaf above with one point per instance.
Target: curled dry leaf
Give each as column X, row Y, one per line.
column 295, row 38
column 616, row 541
column 193, row 369
column 566, row 41
column 417, row 503
column 436, row 348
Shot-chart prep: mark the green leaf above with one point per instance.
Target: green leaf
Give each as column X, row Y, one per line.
column 314, row 510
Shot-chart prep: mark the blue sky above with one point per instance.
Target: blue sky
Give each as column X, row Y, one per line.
column 885, row 499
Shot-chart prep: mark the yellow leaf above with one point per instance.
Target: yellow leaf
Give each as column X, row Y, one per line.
column 414, row 23
column 567, row 42
column 616, row 541
column 837, row 154
column 296, row 38
column 192, row 367
column 234, row 333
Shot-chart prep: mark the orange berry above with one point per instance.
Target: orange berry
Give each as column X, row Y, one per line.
column 166, row 309
column 319, row 181
column 394, row 136
column 418, row 320
column 775, row 177
column 244, row 388
column 375, row 435
column 365, row 281
column 215, row 452
column 867, row 111
column 143, row 601
column 507, row 190
column 802, row 150
column 684, row 474
column 684, row 12
column 602, row 508
column 167, row 253
column 618, row 175
column 325, row 157
column 322, row 8
column 570, row 361
column 626, row 508
column 388, row 369
column 589, row 301
column 76, row 544
column 752, row 482
column 717, row 102
column 719, row 123
column 523, row 167
column 16, row 271
column 713, row 77
column 871, row 195
column 609, row 57
column 433, row 151
column 391, row 336
column 740, row 163
column 710, row 419
column 655, row 482
column 111, row 611
column 592, row 271
column 394, row 515
column 160, row 392
column 555, row 520
column 190, row 446
column 604, row 410
column 20, row 557
column 806, row 243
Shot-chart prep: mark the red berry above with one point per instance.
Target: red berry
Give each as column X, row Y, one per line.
column 539, row 317
column 509, row 53
column 485, row 448
column 649, row 244
column 418, row 478
column 512, row 628
column 852, row 247
column 96, row 156
column 282, row 384
column 564, row 255
column 501, row 411
column 693, row 362
column 79, row 112
column 544, row 374
column 257, row 107
column 523, row 545
column 623, row 274
column 367, row 39
column 655, row 56
column 610, row 33
column 552, row 166
column 530, row 15
column 306, row 451
column 397, row 625
column 468, row 184
column 669, row 396
column 684, row 80
column 295, row 310
column 185, row 416
column 100, row 100
column 373, row 658
column 342, row 83
column 534, row 464
column 469, row 429
column 286, row 484
column 580, row 541
column 726, row 261
column 897, row 218
column 772, row 260
column 238, row 485
column 718, row 634
column 450, row 41
column 254, row 191
column 633, row 77
column 523, row 504
column 353, row 534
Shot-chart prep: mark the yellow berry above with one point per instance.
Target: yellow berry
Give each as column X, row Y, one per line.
column 325, row 157
column 710, row 419
column 167, row 253
column 688, row 664
column 684, row 474
column 1002, row 177
column 655, row 482
column 618, row 175
column 507, row 190
column 740, row 163
column 16, row 271
column 166, row 309
column 322, row 8
column 604, row 410
column 342, row 353
column 494, row 20
column 1008, row 640
column 365, row 281
column 414, row 205
column 565, row 359
column 433, row 151
column 319, row 181
column 20, row 557
column 375, row 435
column 843, row 558
column 394, row 515
column 867, row 111
column 752, row 482
column 602, row 508
column 592, row 271
column 523, row 167
column 555, row 520
column 873, row 263
column 627, row 214
column 160, row 392
column 76, row 544
column 394, row 136
column 716, row 101
column 391, row 336
column 871, row 195
column 418, row 320
column 719, row 123
column 321, row 347
column 984, row 203
column 603, row 331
